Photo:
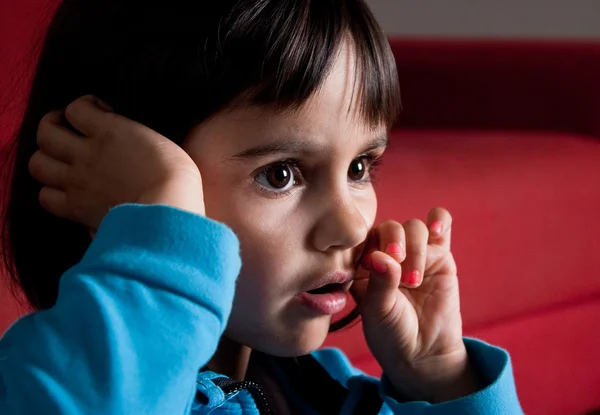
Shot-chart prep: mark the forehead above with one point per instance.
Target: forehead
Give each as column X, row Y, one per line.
column 337, row 95
column 330, row 119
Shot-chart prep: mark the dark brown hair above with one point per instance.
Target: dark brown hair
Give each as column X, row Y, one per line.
column 171, row 65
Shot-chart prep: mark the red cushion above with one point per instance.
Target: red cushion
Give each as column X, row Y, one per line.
column 555, row 357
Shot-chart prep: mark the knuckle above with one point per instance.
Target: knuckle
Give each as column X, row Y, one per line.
column 417, row 251
column 110, row 129
column 34, row 165
column 71, row 109
column 74, row 212
column 43, row 131
column 75, row 112
column 113, row 129
column 112, row 118
column 42, row 198
column 46, row 119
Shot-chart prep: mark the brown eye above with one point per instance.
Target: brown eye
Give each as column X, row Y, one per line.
column 276, row 177
column 357, row 170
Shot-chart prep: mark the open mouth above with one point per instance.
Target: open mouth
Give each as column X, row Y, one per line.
column 328, row 299
column 327, row 289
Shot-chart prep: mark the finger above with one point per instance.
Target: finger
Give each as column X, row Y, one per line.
column 358, row 290
column 48, row 171
column 382, row 288
column 371, row 245
column 54, row 201
column 58, row 141
column 88, row 115
column 392, row 240
column 413, row 266
column 439, row 223
column 361, row 279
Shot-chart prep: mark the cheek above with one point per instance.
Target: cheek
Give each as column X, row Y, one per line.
column 269, row 256
column 368, row 207
column 263, row 229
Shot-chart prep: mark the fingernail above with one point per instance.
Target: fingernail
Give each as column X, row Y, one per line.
column 380, row 267
column 394, row 248
column 437, row 226
column 411, row 277
column 104, row 105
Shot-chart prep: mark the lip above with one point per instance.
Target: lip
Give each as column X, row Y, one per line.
column 336, row 277
column 332, row 302
column 326, row 304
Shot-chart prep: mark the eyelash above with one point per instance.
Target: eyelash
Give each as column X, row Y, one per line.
column 373, row 162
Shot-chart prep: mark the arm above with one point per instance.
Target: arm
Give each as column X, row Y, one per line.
column 498, row 396
column 134, row 321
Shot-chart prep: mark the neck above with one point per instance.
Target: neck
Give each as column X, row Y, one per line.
column 231, row 359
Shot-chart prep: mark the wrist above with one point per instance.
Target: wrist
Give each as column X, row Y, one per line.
column 440, row 379
column 182, row 194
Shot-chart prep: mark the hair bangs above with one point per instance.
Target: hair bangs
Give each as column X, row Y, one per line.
column 298, row 49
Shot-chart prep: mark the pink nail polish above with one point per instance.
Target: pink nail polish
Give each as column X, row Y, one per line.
column 380, row 267
column 437, row 226
column 412, row 278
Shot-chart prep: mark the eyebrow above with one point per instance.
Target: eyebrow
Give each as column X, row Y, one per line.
column 299, row 146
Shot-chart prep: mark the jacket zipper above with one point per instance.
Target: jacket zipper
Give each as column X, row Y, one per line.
column 260, row 399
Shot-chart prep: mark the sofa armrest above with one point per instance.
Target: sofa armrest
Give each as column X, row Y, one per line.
column 506, row 84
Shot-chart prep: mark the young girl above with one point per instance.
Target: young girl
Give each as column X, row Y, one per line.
column 128, row 243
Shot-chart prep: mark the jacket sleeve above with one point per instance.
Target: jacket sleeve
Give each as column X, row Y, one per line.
column 134, row 321
column 498, row 397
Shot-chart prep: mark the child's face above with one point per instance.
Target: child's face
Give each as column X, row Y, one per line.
column 296, row 223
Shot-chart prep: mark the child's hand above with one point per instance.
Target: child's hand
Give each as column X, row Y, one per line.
column 116, row 161
column 411, row 312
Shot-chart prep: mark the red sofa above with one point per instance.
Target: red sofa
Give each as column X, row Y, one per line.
column 506, row 135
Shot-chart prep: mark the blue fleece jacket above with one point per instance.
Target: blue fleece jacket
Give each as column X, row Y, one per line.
column 139, row 317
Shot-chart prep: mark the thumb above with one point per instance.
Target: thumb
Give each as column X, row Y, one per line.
column 87, row 115
column 103, row 105
column 382, row 292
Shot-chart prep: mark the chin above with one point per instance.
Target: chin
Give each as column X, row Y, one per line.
column 304, row 341
column 292, row 340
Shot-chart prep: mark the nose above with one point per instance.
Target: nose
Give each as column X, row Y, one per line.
column 342, row 222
